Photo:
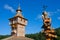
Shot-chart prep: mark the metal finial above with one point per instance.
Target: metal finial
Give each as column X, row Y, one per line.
column 44, row 7
column 44, row 12
column 19, row 7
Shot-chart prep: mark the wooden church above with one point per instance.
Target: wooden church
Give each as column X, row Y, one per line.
column 18, row 23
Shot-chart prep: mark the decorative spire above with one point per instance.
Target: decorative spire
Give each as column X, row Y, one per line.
column 44, row 7
column 19, row 7
column 19, row 11
column 44, row 12
column 45, row 15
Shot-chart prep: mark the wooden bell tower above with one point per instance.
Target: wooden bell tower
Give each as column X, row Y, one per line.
column 48, row 31
column 18, row 23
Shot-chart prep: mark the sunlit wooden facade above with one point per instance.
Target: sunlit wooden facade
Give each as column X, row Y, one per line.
column 48, row 31
column 18, row 23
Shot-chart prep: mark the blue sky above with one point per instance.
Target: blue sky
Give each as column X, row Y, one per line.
column 31, row 10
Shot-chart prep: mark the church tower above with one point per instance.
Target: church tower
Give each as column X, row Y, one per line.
column 48, row 31
column 18, row 23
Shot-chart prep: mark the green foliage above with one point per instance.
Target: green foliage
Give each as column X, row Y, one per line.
column 36, row 36
column 57, row 30
column 3, row 36
column 40, row 36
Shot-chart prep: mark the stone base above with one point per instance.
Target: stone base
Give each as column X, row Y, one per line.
column 17, row 38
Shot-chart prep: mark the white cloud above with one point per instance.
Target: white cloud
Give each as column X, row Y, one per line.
column 39, row 17
column 6, row 6
column 59, row 18
column 52, row 13
column 58, row 10
column 49, row 13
